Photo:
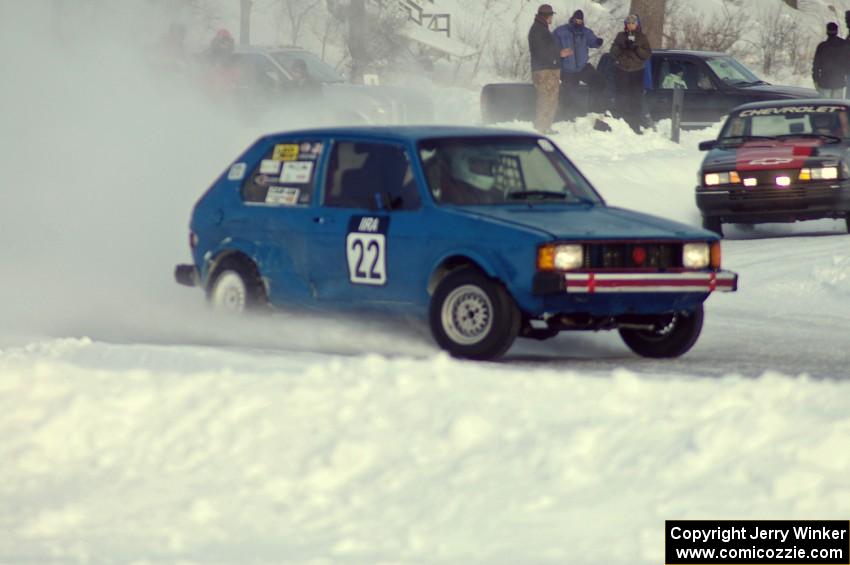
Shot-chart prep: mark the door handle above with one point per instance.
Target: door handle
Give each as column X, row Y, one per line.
column 322, row 220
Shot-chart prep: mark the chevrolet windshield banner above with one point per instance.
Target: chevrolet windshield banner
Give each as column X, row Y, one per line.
column 757, row 542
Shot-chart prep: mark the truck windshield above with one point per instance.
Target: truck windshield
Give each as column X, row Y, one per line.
column 730, row 71
column 316, row 68
column 476, row 171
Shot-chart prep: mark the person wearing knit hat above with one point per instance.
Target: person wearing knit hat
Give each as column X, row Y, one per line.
column 830, row 66
column 545, row 68
column 576, row 40
column 630, row 52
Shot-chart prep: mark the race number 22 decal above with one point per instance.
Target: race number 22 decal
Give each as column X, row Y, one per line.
column 366, row 250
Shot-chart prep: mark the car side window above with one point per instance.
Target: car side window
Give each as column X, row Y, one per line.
column 360, row 175
column 286, row 174
column 680, row 73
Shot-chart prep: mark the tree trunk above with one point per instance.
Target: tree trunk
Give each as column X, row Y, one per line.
column 357, row 37
column 652, row 13
column 245, row 22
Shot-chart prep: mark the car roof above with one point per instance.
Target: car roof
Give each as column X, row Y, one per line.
column 268, row 48
column 690, row 52
column 792, row 102
column 407, row 133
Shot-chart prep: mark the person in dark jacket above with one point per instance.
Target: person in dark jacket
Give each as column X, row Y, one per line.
column 831, row 63
column 545, row 68
column 630, row 52
column 847, row 81
column 576, row 40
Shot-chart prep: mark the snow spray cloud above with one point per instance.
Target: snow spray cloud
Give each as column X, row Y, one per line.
column 103, row 156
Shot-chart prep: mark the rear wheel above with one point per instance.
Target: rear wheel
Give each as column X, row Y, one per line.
column 236, row 287
column 672, row 336
column 713, row 223
column 473, row 316
column 847, row 221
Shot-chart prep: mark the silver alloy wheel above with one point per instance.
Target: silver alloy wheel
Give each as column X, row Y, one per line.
column 467, row 315
column 229, row 293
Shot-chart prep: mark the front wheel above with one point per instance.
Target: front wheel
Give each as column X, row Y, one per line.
column 673, row 336
column 236, row 287
column 473, row 316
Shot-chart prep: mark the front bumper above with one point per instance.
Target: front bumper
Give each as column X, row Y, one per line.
column 603, row 283
column 186, row 275
column 808, row 201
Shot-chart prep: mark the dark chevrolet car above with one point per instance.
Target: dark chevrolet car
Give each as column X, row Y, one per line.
column 778, row 162
column 714, row 84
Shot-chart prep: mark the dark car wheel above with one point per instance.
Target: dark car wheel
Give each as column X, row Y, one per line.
column 236, row 287
column 473, row 316
column 713, row 223
column 673, row 337
column 847, row 221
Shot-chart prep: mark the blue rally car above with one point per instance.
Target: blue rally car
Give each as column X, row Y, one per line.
column 489, row 234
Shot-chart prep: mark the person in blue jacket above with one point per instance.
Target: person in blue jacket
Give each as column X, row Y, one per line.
column 576, row 40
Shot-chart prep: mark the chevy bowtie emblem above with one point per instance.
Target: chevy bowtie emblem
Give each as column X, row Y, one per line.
column 772, row 161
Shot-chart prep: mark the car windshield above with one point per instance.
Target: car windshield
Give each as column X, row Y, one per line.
column 828, row 122
column 475, row 171
column 316, row 68
column 730, row 71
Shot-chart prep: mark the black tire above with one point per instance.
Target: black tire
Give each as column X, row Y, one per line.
column 491, row 318
column 713, row 223
column 675, row 338
column 847, row 221
column 236, row 287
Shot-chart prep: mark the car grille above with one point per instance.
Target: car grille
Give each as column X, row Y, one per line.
column 766, row 193
column 657, row 255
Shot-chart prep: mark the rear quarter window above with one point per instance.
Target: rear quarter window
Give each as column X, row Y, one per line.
column 285, row 176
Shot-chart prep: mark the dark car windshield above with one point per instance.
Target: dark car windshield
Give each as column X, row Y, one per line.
column 730, row 71
column 827, row 121
column 475, row 171
column 316, row 68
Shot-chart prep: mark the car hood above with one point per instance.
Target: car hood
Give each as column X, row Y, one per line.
column 770, row 90
column 765, row 155
column 588, row 222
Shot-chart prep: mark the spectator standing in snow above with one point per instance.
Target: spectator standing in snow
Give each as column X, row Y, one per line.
column 630, row 52
column 832, row 59
column 545, row 68
column 847, row 82
column 222, row 74
column 576, row 40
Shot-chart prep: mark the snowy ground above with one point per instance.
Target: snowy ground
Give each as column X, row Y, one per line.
column 135, row 428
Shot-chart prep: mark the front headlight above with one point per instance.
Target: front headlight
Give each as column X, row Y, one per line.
column 729, row 177
column 696, row 255
column 563, row 257
column 819, row 173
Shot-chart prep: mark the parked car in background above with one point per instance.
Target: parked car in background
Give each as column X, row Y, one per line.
column 778, row 162
column 487, row 234
column 713, row 83
column 270, row 78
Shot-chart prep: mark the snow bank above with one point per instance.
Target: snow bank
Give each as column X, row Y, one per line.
column 234, row 457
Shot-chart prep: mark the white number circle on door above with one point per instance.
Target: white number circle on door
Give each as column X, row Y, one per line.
column 367, row 259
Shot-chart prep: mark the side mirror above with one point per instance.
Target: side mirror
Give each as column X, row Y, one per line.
column 707, row 145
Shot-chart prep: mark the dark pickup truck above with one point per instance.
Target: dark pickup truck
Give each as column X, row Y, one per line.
column 714, row 83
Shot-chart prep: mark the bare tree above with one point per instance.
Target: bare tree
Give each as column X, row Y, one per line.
column 775, row 37
column 296, row 14
column 511, row 59
column 245, row 22
column 688, row 30
column 652, row 15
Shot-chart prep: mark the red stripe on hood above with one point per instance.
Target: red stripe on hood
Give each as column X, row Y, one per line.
column 763, row 155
